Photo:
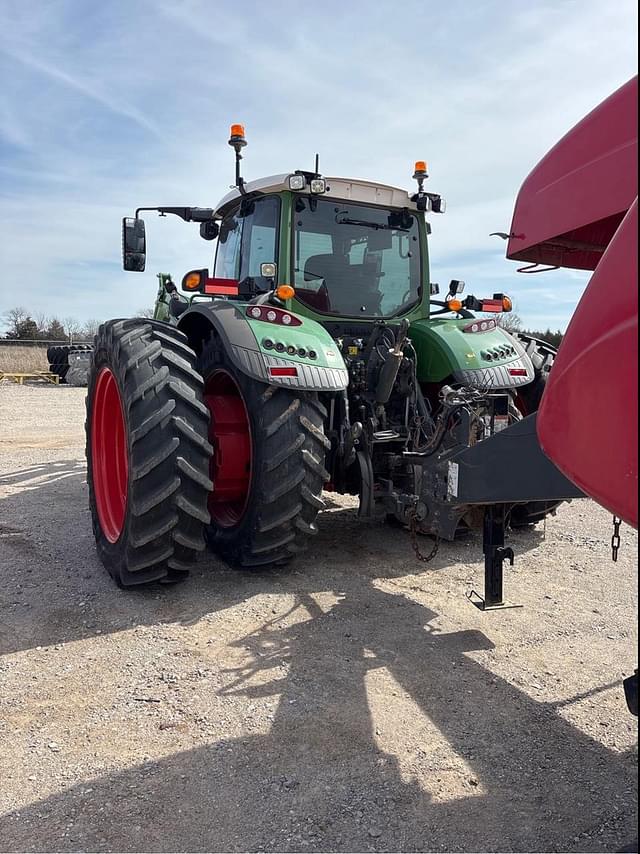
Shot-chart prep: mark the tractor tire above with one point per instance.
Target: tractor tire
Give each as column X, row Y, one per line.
column 268, row 465
column 542, row 356
column 523, row 515
column 79, row 366
column 147, row 452
column 59, row 360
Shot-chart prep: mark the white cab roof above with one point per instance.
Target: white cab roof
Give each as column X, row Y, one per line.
column 348, row 189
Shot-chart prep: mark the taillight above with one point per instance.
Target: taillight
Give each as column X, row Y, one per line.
column 480, row 326
column 269, row 314
column 518, row 372
column 283, row 372
column 493, row 305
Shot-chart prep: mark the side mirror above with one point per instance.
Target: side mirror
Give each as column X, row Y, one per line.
column 434, row 289
column 134, row 245
column 456, row 286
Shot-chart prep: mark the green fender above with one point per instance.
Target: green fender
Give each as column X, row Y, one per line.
column 443, row 349
column 244, row 339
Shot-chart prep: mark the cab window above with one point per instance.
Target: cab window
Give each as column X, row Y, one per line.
column 248, row 238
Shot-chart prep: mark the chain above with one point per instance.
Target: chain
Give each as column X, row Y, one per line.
column 413, row 530
column 615, row 539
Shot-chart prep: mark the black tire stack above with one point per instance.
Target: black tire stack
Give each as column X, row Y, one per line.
column 58, row 357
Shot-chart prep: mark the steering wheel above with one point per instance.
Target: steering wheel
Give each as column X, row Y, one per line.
column 445, row 309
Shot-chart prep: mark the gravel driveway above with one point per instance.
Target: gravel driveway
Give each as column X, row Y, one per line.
column 355, row 701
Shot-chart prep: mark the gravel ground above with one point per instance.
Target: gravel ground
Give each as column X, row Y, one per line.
column 355, row 701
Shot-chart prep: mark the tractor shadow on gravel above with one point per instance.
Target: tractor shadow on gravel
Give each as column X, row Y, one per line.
column 57, row 591
column 337, row 769
column 368, row 696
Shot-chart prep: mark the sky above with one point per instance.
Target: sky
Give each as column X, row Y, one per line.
column 105, row 107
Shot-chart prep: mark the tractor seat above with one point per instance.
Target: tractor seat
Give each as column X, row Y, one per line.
column 332, row 268
column 345, row 289
column 332, row 271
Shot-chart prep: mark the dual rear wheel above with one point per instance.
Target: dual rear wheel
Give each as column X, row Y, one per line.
column 183, row 450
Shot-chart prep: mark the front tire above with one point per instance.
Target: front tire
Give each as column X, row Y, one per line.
column 268, row 464
column 147, row 452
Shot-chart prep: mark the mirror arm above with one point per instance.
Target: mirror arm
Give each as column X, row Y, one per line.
column 187, row 214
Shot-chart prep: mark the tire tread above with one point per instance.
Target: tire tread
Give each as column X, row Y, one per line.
column 169, row 452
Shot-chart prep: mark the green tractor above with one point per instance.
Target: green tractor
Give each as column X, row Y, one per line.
column 318, row 356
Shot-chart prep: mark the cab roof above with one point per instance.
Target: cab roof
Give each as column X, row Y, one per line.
column 346, row 189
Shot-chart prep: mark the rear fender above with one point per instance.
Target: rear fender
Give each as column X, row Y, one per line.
column 475, row 352
column 243, row 338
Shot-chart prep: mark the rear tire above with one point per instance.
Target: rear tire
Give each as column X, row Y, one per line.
column 523, row 515
column 272, row 513
column 147, row 452
column 542, row 356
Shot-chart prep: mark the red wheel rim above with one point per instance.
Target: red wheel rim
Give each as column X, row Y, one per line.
column 109, row 460
column 230, row 435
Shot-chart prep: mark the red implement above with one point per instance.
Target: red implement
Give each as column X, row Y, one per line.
column 578, row 209
column 588, row 418
column 570, row 206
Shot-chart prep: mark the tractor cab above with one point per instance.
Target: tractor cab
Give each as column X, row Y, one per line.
column 349, row 254
column 343, row 256
column 349, row 248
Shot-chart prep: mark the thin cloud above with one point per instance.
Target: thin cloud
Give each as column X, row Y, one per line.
column 119, row 108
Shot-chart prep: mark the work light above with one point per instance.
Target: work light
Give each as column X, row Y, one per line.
column 317, row 185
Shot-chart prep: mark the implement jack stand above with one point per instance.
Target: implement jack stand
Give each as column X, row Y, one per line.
column 495, row 553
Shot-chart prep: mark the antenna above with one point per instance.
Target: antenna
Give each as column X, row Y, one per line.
column 317, row 169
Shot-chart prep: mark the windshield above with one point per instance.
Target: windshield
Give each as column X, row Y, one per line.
column 355, row 260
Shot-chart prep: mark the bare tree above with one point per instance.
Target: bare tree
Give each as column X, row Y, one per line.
column 72, row 327
column 42, row 322
column 14, row 319
column 509, row 321
column 90, row 328
column 145, row 312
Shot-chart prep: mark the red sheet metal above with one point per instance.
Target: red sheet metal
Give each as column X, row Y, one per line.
column 572, row 203
column 588, row 418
